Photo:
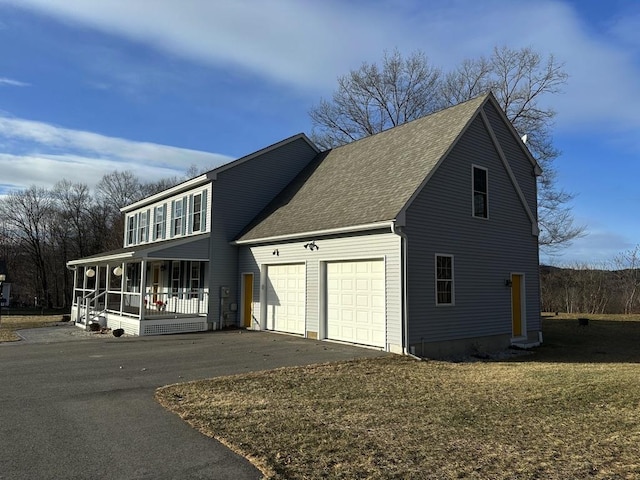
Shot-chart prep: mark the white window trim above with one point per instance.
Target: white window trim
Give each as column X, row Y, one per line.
column 131, row 230
column 473, row 192
column 159, row 213
column 176, row 217
column 198, row 265
column 198, row 213
column 453, row 280
column 143, row 227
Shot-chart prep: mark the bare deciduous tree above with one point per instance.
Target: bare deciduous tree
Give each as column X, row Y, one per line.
column 371, row 99
column 28, row 215
column 627, row 266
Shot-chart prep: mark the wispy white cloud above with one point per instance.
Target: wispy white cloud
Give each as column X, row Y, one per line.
column 307, row 44
column 4, row 81
column 39, row 153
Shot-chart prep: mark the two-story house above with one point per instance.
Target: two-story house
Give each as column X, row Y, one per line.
column 421, row 239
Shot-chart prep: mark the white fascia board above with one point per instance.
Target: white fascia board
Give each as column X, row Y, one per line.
column 317, row 233
column 181, row 187
column 93, row 260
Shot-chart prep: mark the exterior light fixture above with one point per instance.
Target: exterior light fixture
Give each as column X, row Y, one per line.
column 90, row 273
column 311, row 246
column 117, row 271
column 508, row 283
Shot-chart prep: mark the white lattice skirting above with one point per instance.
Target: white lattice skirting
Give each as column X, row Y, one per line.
column 150, row 327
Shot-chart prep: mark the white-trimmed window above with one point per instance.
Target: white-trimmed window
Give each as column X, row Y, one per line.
column 178, row 217
column 175, row 279
column 197, row 213
column 143, row 231
column 444, row 280
column 159, row 220
column 194, row 280
column 131, row 229
column 480, row 187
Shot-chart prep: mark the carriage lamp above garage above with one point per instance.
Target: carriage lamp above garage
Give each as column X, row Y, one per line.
column 311, row 246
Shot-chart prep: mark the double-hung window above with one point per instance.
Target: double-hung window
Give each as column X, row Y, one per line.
column 143, row 231
column 480, row 192
column 131, row 230
column 197, row 213
column 444, row 280
column 195, row 279
column 178, row 217
column 175, row 278
column 158, row 222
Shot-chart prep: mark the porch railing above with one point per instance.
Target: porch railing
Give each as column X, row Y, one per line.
column 158, row 304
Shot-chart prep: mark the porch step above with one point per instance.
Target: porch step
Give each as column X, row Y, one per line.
column 525, row 345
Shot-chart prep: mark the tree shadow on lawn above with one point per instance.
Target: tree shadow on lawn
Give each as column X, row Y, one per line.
column 600, row 341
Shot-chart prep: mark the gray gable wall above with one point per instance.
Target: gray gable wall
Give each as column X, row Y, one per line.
column 239, row 194
column 486, row 251
column 366, row 181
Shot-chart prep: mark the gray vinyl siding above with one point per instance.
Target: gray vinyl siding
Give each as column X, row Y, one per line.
column 239, row 194
column 486, row 251
column 195, row 250
column 384, row 246
column 520, row 165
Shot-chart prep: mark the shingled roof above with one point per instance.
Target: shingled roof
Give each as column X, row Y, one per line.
column 364, row 182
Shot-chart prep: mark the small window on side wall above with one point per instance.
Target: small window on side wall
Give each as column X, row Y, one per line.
column 480, row 192
column 444, row 280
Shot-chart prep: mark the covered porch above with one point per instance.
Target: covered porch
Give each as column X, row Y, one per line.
column 153, row 289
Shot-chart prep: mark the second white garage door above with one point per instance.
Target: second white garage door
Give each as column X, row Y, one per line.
column 355, row 302
column 286, row 298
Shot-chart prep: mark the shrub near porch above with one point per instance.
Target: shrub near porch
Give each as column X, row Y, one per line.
column 573, row 415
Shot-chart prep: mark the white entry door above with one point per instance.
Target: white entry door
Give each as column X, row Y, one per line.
column 355, row 302
column 286, row 298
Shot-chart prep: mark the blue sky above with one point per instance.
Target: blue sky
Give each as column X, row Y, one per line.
column 154, row 86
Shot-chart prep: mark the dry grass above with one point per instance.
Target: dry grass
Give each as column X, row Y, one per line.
column 566, row 412
column 10, row 323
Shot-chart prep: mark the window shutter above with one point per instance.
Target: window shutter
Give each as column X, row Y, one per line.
column 190, row 216
column 164, row 221
column 146, row 235
column 172, row 219
column 136, row 225
column 184, row 215
column 203, row 215
column 153, row 224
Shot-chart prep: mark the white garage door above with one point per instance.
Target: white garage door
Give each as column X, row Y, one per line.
column 285, row 298
column 355, row 302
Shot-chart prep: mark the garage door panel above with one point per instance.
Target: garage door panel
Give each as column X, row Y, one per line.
column 286, row 298
column 355, row 302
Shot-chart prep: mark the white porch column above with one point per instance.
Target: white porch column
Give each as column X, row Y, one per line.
column 143, row 287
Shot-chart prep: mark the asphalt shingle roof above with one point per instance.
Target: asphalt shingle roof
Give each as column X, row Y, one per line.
column 364, row 182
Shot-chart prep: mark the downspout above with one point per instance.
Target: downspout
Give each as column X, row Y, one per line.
column 398, row 230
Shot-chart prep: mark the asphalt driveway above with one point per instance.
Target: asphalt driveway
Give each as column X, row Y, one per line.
column 78, row 408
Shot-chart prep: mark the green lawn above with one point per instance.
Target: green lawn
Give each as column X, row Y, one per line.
column 571, row 410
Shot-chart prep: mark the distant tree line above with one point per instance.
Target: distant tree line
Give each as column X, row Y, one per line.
column 41, row 229
column 581, row 288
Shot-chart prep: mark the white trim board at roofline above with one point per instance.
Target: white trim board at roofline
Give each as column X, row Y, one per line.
column 331, row 231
